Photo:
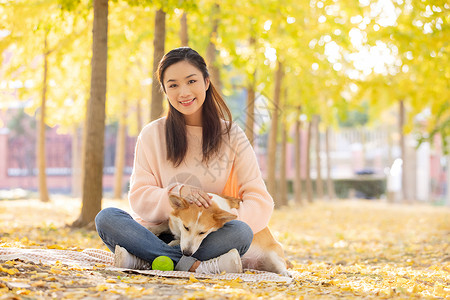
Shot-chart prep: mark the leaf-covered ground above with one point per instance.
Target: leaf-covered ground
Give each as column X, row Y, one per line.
column 342, row 249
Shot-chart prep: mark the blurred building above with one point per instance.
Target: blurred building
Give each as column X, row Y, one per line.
column 358, row 156
column 18, row 155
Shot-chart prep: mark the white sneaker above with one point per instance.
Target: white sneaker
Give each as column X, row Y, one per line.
column 229, row 262
column 124, row 259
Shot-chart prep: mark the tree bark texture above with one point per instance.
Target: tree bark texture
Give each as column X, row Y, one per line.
column 93, row 168
column 184, row 36
column 139, row 115
column 43, row 190
column 330, row 184
column 283, row 195
column 159, row 40
column 447, row 197
column 309, row 187
column 211, row 51
column 250, row 109
column 297, row 159
column 120, row 153
column 272, row 147
column 76, row 163
column 319, row 182
column 401, row 124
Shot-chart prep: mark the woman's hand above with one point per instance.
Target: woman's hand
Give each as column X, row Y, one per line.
column 193, row 195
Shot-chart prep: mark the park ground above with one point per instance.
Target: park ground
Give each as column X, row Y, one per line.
column 340, row 249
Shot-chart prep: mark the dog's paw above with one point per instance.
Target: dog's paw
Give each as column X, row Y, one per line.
column 174, row 243
column 286, row 273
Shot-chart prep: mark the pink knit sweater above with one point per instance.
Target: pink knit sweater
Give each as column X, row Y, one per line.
column 233, row 172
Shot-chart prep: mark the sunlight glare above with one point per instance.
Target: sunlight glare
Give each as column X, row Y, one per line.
column 332, row 51
column 4, row 33
column 364, row 2
column 337, row 67
column 384, row 12
column 290, row 20
column 271, row 54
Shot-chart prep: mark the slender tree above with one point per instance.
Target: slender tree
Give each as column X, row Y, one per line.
column 297, row 158
column 184, row 36
column 272, row 147
column 159, row 41
column 319, row 182
column 330, row 184
column 41, row 157
column 447, row 197
column 309, row 187
column 283, row 194
column 401, row 125
column 120, row 152
column 251, row 95
column 211, row 51
column 76, row 163
column 93, row 169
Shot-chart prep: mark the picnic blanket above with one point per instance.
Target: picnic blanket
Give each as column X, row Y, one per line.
column 89, row 258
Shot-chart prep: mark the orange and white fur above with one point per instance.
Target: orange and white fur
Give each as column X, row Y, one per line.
column 190, row 224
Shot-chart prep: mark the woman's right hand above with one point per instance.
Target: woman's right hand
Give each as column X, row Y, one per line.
column 193, row 194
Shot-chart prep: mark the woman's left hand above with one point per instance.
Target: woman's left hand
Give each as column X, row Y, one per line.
column 194, row 195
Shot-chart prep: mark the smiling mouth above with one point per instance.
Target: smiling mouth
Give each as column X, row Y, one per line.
column 187, row 102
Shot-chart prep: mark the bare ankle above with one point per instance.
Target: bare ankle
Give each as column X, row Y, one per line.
column 194, row 266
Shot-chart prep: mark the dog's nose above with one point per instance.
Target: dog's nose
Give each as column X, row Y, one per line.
column 187, row 253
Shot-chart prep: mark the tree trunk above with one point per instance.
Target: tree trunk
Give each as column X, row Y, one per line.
column 41, row 159
column 184, row 36
column 158, row 52
column 211, row 51
column 76, row 163
column 330, row 184
column 391, row 195
column 271, row 165
column 319, row 182
column 283, row 197
column 93, row 168
column 139, row 115
column 250, row 119
column 309, row 188
column 297, row 159
column 84, row 137
column 120, row 153
column 448, row 180
column 401, row 124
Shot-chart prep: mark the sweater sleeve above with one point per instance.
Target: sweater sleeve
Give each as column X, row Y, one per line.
column 148, row 200
column 257, row 205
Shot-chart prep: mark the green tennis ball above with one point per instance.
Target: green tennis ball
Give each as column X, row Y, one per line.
column 162, row 263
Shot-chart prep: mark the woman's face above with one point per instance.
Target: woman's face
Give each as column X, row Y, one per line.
column 186, row 89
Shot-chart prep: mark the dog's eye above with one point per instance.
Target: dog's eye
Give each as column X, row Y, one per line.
column 202, row 233
column 187, row 229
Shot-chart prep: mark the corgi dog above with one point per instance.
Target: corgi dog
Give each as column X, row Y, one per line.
column 190, row 224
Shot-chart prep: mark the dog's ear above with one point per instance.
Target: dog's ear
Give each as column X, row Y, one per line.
column 233, row 202
column 178, row 202
column 224, row 217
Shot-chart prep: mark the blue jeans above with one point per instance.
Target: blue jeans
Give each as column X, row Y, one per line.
column 117, row 227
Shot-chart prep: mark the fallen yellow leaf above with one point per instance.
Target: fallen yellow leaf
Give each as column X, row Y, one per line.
column 192, row 278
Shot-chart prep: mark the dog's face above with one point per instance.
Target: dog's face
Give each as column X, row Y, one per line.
column 194, row 223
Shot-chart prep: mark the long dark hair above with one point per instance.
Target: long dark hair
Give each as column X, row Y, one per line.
column 214, row 110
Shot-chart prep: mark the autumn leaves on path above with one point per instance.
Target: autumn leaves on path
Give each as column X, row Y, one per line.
column 339, row 249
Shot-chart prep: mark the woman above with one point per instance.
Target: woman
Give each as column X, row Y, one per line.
column 192, row 151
